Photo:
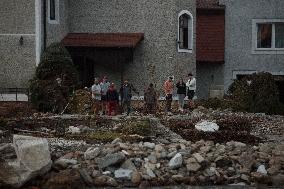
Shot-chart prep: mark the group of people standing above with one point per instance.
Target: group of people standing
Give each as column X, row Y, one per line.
column 183, row 89
column 106, row 97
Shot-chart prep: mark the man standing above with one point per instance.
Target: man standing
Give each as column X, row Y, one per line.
column 104, row 88
column 191, row 88
column 126, row 94
column 169, row 89
column 96, row 95
column 150, row 98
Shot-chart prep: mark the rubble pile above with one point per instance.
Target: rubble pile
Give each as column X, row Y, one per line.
column 80, row 102
column 204, row 147
column 124, row 164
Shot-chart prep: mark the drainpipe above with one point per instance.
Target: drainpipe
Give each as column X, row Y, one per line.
column 44, row 24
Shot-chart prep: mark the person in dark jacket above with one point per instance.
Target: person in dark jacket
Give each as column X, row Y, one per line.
column 181, row 92
column 112, row 100
column 126, row 94
column 150, row 98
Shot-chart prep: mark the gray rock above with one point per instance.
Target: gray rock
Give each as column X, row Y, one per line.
column 198, row 157
column 73, row 130
column 123, row 174
column 152, row 158
column 239, row 144
column 86, row 177
column 91, row 153
column 110, row 159
column 149, row 145
column 63, row 163
column 245, row 177
column 176, row 161
column 159, row 148
column 172, row 154
column 193, row 167
column 33, row 159
column 261, row 169
column 116, row 141
column 150, row 173
column 128, row 164
column 95, row 173
column 211, row 171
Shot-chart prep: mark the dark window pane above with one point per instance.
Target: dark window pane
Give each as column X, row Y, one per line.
column 279, row 35
column 183, row 31
column 52, row 10
column 264, row 35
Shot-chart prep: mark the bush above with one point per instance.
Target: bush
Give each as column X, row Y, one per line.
column 256, row 93
column 47, row 94
column 215, row 103
column 141, row 127
column 3, row 122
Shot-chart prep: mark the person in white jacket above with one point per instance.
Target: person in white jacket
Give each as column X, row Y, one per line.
column 191, row 88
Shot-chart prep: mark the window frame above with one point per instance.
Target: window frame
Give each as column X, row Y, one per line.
column 56, row 6
column 273, row 49
column 190, row 36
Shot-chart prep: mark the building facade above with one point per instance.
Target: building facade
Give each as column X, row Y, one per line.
column 167, row 47
column 254, row 38
column 18, row 54
column 210, row 48
column 218, row 40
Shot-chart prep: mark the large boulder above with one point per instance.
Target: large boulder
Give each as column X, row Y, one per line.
column 33, row 159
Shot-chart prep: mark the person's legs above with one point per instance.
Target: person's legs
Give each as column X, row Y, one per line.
column 128, row 105
column 169, row 102
column 190, row 97
column 182, row 101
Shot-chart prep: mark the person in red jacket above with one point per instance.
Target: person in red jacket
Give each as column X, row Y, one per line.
column 112, row 100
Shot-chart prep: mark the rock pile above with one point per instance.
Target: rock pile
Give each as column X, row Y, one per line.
column 200, row 163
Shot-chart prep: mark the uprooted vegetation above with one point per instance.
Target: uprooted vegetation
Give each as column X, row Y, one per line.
column 257, row 93
column 230, row 128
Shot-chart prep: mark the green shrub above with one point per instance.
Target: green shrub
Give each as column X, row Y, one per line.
column 3, row 122
column 215, row 103
column 141, row 127
column 46, row 93
column 256, row 93
column 103, row 136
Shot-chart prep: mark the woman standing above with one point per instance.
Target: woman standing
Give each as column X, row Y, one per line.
column 181, row 92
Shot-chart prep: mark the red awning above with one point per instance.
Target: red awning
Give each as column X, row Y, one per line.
column 208, row 4
column 103, row 40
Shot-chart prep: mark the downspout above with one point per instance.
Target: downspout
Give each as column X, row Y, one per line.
column 44, row 24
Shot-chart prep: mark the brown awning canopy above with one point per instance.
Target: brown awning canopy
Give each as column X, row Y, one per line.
column 103, row 40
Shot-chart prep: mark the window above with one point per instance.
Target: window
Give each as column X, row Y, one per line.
column 268, row 36
column 53, row 11
column 185, row 31
column 279, row 35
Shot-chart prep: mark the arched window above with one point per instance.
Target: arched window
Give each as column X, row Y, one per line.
column 185, row 31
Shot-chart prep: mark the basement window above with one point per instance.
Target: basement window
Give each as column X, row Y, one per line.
column 185, row 31
column 53, row 11
column 268, row 36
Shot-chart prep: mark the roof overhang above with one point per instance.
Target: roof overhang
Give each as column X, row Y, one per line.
column 103, row 40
